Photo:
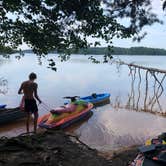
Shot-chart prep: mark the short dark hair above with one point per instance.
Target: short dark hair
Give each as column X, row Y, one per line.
column 32, row 76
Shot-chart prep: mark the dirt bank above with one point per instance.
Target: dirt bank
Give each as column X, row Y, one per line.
column 55, row 148
column 121, row 157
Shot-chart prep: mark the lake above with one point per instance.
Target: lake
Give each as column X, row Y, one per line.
column 111, row 126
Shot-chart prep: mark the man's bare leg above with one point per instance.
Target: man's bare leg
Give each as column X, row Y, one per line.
column 35, row 121
column 27, row 122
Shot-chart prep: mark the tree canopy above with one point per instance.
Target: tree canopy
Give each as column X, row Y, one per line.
column 6, row 50
column 46, row 25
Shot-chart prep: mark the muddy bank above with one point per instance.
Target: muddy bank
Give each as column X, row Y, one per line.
column 55, row 148
column 121, row 157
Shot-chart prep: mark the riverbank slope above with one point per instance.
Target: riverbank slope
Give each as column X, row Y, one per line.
column 55, row 148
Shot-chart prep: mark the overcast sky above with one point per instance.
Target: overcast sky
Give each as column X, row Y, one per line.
column 156, row 36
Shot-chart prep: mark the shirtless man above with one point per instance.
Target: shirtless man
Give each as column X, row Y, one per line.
column 29, row 89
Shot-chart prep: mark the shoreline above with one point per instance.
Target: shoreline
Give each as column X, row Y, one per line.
column 59, row 149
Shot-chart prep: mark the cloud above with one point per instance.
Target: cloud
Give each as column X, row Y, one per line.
column 157, row 8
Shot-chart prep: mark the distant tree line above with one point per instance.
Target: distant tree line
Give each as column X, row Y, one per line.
column 115, row 51
column 122, row 51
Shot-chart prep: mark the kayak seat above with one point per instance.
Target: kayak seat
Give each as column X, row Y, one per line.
column 94, row 95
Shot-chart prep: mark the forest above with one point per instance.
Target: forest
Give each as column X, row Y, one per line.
column 102, row 51
column 122, row 51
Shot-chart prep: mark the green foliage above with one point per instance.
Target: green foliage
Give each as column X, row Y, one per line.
column 137, row 13
column 6, row 50
column 164, row 5
column 60, row 25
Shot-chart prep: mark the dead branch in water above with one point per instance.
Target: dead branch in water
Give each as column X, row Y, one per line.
column 142, row 67
column 157, row 88
column 139, row 88
column 146, row 91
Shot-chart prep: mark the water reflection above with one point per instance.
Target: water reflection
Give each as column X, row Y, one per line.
column 77, row 125
column 109, row 127
column 13, row 129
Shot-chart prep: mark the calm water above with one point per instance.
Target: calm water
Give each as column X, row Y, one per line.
column 108, row 128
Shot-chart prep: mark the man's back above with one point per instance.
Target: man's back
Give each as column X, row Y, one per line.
column 29, row 89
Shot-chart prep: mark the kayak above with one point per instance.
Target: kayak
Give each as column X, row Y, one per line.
column 66, row 115
column 96, row 98
column 2, row 106
column 8, row 115
column 153, row 153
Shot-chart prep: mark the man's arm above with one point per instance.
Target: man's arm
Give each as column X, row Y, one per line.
column 20, row 90
column 35, row 93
